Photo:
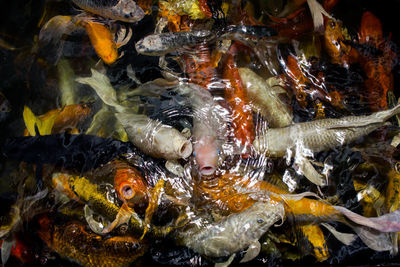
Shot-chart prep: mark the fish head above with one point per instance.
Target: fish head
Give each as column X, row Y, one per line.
column 258, row 218
column 151, row 45
column 130, row 186
column 128, row 11
column 206, row 153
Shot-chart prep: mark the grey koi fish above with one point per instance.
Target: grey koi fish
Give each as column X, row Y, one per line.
column 123, row 10
column 164, row 43
column 236, row 232
column 320, row 135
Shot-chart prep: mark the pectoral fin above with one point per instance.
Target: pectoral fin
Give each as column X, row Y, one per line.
column 123, row 216
column 307, row 169
column 252, row 251
column 153, row 204
column 225, row 263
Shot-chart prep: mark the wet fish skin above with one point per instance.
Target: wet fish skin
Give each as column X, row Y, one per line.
column 123, row 10
column 235, row 232
column 320, row 135
column 209, row 127
column 266, row 99
column 73, row 241
column 164, row 43
column 151, row 136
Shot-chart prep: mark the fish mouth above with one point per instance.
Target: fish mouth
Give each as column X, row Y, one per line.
column 207, row 170
column 127, row 192
column 185, row 150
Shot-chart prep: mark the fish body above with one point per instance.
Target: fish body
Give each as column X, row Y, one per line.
column 75, row 242
column 200, row 66
column 123, row 10
column 378, row 69
column 320, row 135
column 237, row 99
column 334, row 38
column 151, row 136
column 314, row 241
column 266, row 99
column 235, row 232
column 154, row 138
column 164, row 43
column 209, row 128
column 102, row 41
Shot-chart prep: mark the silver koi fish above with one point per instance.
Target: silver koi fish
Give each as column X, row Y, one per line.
column 236, row 232
column 264, row 96
column 320, row 135
column 151, row 136
column 163, row 43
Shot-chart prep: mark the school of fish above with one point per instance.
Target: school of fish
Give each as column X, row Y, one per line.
column 198, row 132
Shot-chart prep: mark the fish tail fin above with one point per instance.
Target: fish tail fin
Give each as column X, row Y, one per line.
column 52, row 34
column 387, row 223
column 36, row 125
column 316, row 12
column 102, row 85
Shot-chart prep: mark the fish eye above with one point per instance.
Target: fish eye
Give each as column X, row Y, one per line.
column 260, row 221
column 332, row 24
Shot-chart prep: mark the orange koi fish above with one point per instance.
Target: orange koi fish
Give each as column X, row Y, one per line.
column 298, row 79
column 130, row 185
column 201, row 66
column 74, row 242
column 378, row 68
column 303, row 86
column 102, row 41
column 68, row 117
column 236, row 96
column 339, row 52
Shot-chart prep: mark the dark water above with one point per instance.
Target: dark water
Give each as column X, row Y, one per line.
column 29, row 77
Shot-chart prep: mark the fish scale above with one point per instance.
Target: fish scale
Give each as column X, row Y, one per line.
column 96, row 3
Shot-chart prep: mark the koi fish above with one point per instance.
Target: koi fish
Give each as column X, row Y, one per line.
column 236, row 96
column 313, row 240
column 209, row 127
column 102, row 41
column 66, row 118
column 378, row 69
column 74, row 242
column 320, row 135
column 245, row 228
column 234, row 193
column 264, row 95
column 130, row 185
column 152, row 137
column 194, row 9
column 334, row 38
column 163, row 43
column 200, row 66
column 123, row 10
